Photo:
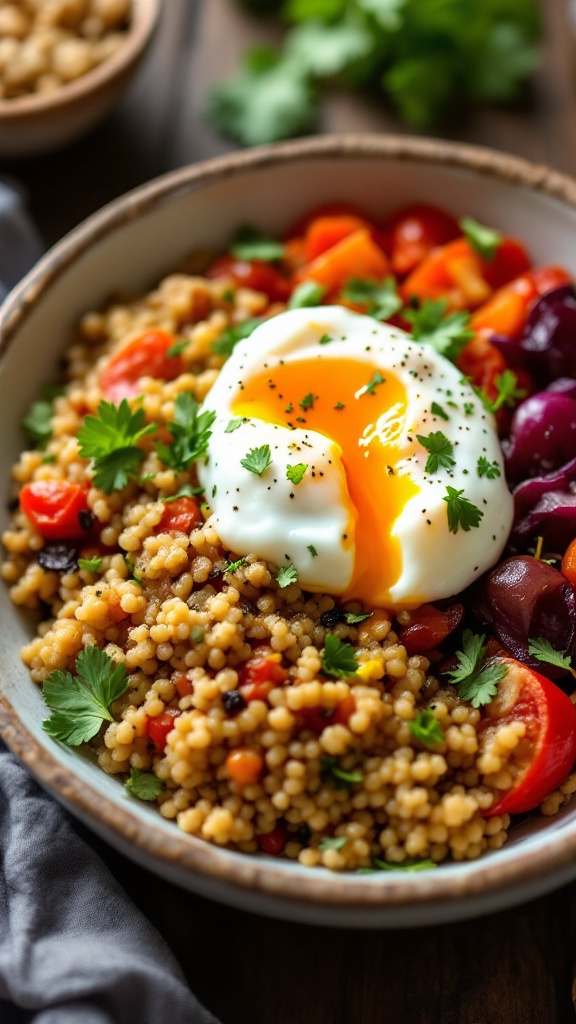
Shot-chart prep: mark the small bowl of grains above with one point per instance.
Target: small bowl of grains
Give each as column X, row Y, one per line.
column 63, row 66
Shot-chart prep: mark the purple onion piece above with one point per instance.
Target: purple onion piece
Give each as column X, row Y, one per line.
column 549, row 335
column 542, row 435
column 563, row 386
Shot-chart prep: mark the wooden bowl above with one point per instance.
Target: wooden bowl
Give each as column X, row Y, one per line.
column 40, row 122
column 129, row 245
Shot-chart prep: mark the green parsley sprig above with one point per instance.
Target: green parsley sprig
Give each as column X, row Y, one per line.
column 380, row 298
column 426, row 728
column 287, row 575
column 111, row 440
column 144, row 785
column 447, row 334
column 462, row 513
column 249, row 244
column 338, row 658
column 543, row 650
column 190, row 431
column 342, row 779
column 485, row 241
column 440, row 449
column 80, row 703
column 257, row 460
column 230, row 337
column 476, row 678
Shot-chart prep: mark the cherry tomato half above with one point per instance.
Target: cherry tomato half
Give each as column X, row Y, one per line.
column 54, row 507
column 550, row 719
column 145, row 356
column 180, row 516
column 414, row 231
column 255, row 274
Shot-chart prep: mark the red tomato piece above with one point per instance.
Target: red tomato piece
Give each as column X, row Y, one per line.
column 54, row 507
column 510, row 260
column 159, row 727
column 183, row 685
column 429, row 626
column 144, row 356
column 255, row 274
column 273, row 842
column 414, row 231
column 180, row 516
column 326, row 210
column 324, row 232
column 482, row 363
column 260, row 674
column 316, row 719
column 550, row 718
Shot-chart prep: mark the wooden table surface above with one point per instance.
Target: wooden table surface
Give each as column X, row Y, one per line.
column 514, row 967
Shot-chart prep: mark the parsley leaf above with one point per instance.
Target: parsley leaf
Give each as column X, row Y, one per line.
column 186, row 491
column 234, row 424
column 441, row 451
column 309, row 293
column 90, row 564
column 286, row 575
column 338, row 658
column 38, row 423
column 308, row 401
column 229, row 338
column 332, row 843
column 296, row 473
column 257, row 459
column 508, row 393
column 190, row 430
column 80, row 703
column 490, row 470
column 312, row 551
column 380, row 297
column 426, row 728
column 373, row 384
column 343, row 779
column 446, row 334
column 177, row 348
column 475, row 679
column 461, row 511
column 485, row 241
column 411, row 865
column 437, row 410
column 111, row 439
column 542, row 650
column 352, row 618
column 249, row 244
column 144, row 785
column 232, row 566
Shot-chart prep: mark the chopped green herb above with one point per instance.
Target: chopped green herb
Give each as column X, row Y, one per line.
column 132, row 574
column 441, row 451
column 234, row 424
column 508, row 394
column 338, row 658
column 186, row 491
column 38, row 423
column 257, row 459
column 177, row 348
column 232, row 566
column 249, row 244
column 90, row 564
column 426, row 728
column 296, row 473
column 412, row 865
column 343, row 779
column 312, row 551
column 230, row 337
column 144, row 785
column 461, row 512
column 309, row 293
column 485, row 241
column 332, row 843
column 446, row 334
column 437, row 410
column 543, row 650
column 47, row 459
column 197, row 634
column 353, row 618
column 380, row 298
column 325, row 339
column 373, row 383
column 80, row 703
column 476, row 679
column 308, row 401
column 339, row 405
column 191, row 432
column 111, row 439
column 491, row 470
column 287, row 574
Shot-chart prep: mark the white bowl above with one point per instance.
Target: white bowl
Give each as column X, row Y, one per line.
column 40, row 122
column 129, row 245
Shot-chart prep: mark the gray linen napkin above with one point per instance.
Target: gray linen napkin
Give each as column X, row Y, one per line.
column 73, row 947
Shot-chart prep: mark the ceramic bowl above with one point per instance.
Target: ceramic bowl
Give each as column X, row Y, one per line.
column 38, row 123
column 130, row 244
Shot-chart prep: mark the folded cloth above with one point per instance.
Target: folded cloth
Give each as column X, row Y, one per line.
column 73, row 947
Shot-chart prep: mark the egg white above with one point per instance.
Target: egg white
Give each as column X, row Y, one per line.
column 304, row 524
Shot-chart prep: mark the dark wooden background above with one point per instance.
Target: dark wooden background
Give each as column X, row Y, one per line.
column 510, row 968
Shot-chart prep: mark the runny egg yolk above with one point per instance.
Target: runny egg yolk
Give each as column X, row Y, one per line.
column 364, row 411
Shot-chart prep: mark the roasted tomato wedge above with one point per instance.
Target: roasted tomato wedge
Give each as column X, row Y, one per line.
column 546, row 753
column 414, row 231
column 429, row 626
column 54, row 507
column 144, row 356
column 180, row 516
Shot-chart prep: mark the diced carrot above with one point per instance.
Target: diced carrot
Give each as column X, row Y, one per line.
column 505, row 312
column 568, row 567
column 355, row 256
column 326, row 232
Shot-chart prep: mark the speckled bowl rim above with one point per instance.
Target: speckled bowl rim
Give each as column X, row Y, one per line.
column 144, row 17
column 550, row 853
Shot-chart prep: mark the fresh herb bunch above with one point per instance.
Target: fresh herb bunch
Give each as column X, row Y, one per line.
column 425, row 56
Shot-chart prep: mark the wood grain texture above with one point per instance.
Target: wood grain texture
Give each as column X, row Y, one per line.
column 508, row 968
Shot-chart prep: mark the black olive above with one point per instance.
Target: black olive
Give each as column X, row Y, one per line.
column 58, row 558
column 332, row 617
column 233, row 701
column 86, row 519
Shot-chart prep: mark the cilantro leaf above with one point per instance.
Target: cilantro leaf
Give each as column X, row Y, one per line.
column 343, row 779
column 380, row 297
column 308, row 293
column 461, row 512
column 257, row 459
column 352, row 618
column 426, row 728
column 234, row 424
column 476, row 679
column 232, row 566
column 373, row 383
column 296, row 473
column 191, row 432
column 287, row 574
column 38, row 423
column 177, row 348
column 508, row 393
column 144, row 785
column 338, row 658
column 249, row 244
column 485, row 241
column 80, row 703
column 441, row 451
column 90, row 564
column 446, row 334
column 230, row 337
column 437, row 410
column 332, row 842
column 543, row 650
column 111, row 439
column 490, row 470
